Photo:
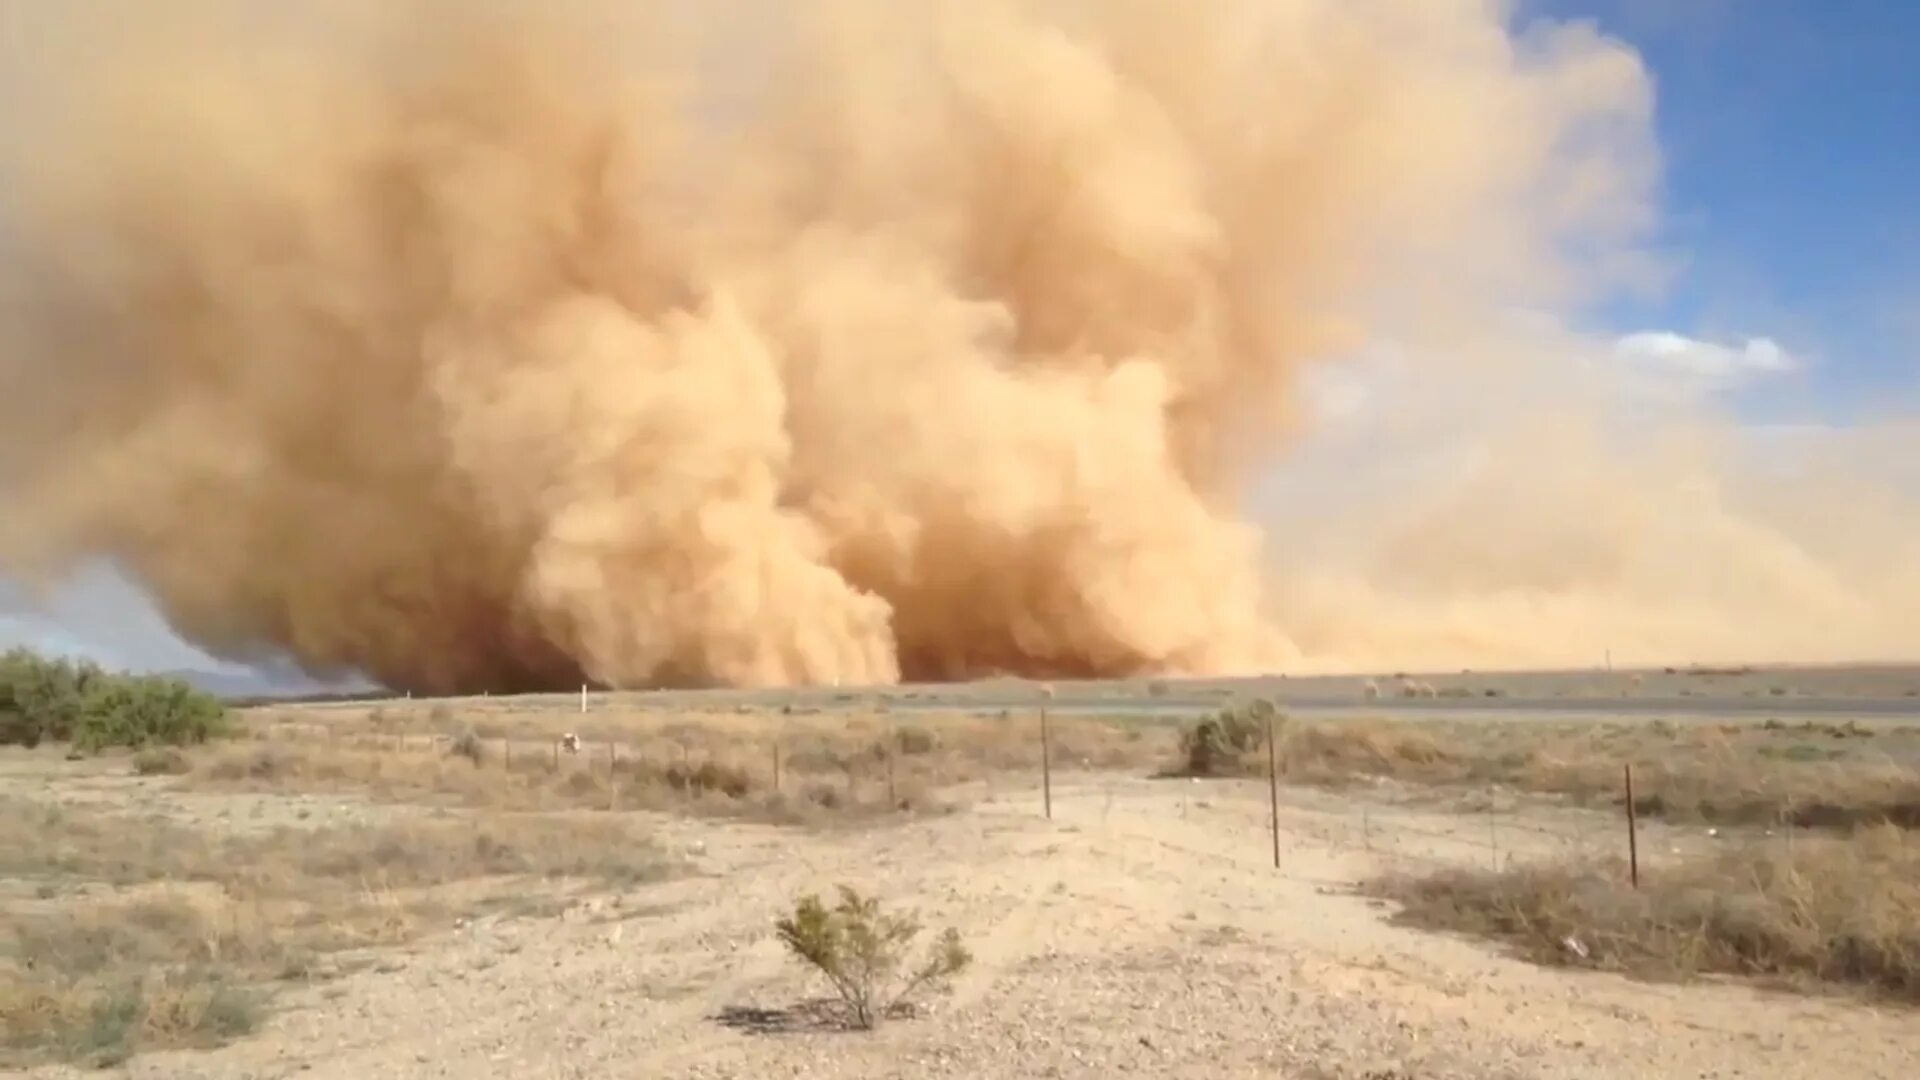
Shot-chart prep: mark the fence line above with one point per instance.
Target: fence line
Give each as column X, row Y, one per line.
column 1386, row 830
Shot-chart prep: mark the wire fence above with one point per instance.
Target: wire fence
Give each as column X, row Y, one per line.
column 834, row 774
column 1490, row 828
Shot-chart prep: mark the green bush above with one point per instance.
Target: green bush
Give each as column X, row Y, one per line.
column 146, row 711
column 44, row 700
column 862, row 951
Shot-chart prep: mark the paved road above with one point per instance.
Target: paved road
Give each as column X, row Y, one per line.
column 1883, row 692
column 1181, row 707
column 1463, row 697
column 1493, row 707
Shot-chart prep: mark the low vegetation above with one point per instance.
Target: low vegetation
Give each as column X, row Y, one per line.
column 532, row 778
column 161, row 761
column 124, row 934
column 771, row 767
column 863, row 952
column 179, row 1008
column 1223, row 744
column 1809, row 775
column 43, row 700
column 1822, row 910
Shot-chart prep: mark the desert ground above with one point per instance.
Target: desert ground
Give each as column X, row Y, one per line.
column 436, row 889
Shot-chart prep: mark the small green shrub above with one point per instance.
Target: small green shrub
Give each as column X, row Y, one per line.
column 862, row 951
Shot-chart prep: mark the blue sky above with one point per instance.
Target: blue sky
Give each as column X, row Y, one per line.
column 1792, row 187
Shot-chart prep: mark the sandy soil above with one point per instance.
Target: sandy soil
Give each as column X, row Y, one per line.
column 1142, row 932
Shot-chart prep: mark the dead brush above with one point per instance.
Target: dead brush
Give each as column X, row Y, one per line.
column 1833, row 911
column 709, row 777
column 166, row 926
column 103, row 1024
column 173, row 934
column 1225, row 743
column 1728, row 774
column 468, row 744
column 832, row 768
column 161, row 761
column 1337, row 754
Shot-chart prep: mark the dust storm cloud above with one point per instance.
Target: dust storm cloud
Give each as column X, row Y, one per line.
column 480, row 346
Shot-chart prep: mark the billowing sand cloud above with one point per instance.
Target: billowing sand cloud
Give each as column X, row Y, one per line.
column 754, row 343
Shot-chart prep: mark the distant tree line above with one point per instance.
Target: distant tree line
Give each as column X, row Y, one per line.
column 79, row 702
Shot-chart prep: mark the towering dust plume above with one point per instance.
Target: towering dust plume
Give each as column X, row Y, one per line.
column 746, row 342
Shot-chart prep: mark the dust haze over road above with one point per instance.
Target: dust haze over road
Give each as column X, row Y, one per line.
column 474, row 347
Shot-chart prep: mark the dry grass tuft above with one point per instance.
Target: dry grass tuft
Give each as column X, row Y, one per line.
column 1835, row 911
column 144, row 934
column 161, row 761
column 830, row 768
column 1334, row 754
column 1828, row 776
column 105, row 1024
column 1225, row 743
column 167, row 935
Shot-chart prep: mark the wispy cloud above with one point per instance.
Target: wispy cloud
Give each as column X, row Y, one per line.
column 1659, row 352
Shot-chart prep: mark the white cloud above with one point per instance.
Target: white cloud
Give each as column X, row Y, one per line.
column 1662, row 352
column 1527, row 363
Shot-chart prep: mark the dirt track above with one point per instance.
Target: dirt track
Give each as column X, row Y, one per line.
column 1144, row 933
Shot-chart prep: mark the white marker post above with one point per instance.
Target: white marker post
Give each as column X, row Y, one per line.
column 583, row 699
column 1046, row 751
